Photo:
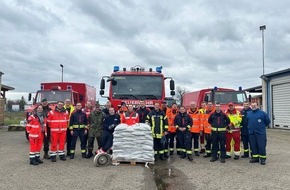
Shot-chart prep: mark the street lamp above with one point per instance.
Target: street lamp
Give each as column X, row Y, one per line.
column 1, row 73
column 61, row 72
column 262, row 28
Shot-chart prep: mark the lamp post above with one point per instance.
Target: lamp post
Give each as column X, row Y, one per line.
column 1, row 73
column 61, row 72
column 262, row 28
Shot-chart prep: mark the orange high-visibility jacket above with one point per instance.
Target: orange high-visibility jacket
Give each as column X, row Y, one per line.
column 204, row 115
column 34, row 127
column 58, row 120
column 130, row 118
column 170, row 116
column 196, row 124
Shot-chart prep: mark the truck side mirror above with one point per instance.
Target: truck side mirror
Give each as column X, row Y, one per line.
column 102, row 92
column 29, row 97
column 172, row 92
column 172, row 85
column 102, row 86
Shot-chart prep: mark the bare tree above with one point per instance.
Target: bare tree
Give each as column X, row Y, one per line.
column 180, row 91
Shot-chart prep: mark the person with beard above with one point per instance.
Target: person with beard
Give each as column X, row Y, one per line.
column 95, row 126
column 183, row 123
column 244, row 129
column 258, row 120
column 46, row 138
column 219, row 122
column 142, row 111
column 70, row 109
column 195, row 129
column 36, row 127
column 172, row 129
column 78, row 128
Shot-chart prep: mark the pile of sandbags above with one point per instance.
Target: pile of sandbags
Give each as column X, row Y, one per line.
column 133, row 143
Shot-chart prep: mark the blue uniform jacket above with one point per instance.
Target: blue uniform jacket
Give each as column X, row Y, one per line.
column 111, row 120
column 257, row 121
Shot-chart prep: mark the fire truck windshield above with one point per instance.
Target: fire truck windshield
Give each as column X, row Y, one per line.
column 137, row 87
column 53, row 96
column 226, row 97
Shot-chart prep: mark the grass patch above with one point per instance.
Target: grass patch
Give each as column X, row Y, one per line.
column 13, row 118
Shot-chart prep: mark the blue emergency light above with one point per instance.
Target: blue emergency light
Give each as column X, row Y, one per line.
column 116, row 68
column 159, row 69
column 215, row 88
column 240, row 88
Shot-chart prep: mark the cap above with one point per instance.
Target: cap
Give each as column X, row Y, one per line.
column 231, row 104
column 44, row 100
column 164, row 102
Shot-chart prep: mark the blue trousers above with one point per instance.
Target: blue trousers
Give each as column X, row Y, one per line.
column 258, row 145
column 78, row 133
column 107, row 138
column 184, row 140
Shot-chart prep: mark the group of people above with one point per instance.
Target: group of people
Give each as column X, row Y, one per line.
column 211, row 130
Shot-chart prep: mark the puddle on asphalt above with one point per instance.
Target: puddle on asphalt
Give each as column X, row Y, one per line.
column 167, row 177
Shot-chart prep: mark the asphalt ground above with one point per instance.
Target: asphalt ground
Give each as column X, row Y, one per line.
column 175, row 173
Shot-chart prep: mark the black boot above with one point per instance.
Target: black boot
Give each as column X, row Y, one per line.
column 223, row 160
column 37, row 159
column 178, row 152
column 236, row 157
column 46, row 156
column 155, row 157
column 62, row 157
column 189, row 157
column 196, row 153
column 53, row 158
column 90, row 154
column 166, row 155
column 72, row 156
column 161, row 157
column 33, row 161
column 202, row 150
column 183, row 155
column 227, row 156
column 253, row 160
column 213, row 159
column 83, row 155
column 263, row 161
column 246, row 155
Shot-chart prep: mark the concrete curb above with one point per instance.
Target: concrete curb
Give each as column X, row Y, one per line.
column 16, row 128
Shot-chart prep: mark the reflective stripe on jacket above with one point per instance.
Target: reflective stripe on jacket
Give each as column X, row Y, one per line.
column 196, row 124
column 58, row 120
column 158, row 122
column 34, row 128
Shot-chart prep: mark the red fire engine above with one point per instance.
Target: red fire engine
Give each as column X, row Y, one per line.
column 135, row 85
column 221, row 95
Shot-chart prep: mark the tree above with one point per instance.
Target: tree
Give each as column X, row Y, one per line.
column 180, row 91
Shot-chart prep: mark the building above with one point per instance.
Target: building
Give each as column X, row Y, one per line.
column 276, row 97
column 3, row 90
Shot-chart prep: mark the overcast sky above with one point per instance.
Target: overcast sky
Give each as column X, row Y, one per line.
column 199, row 43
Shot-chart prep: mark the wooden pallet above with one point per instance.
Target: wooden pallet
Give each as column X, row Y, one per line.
column 131, row 162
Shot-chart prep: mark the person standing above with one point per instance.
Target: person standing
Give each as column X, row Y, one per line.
column 195, row 129
column 78, row 128
column 36, row 127
column 143, row 111
column 219, row 121
column 110, row 122
column 46, row 138
column 108, row 105
column 233, row 132
column 70, row 109
column 202, row 111
column 172, row 129
column 183, row 123
column 58, row 122
column 244, row 129
column 206, row 128
column 130, row 117
column 258, row 120
column 95, row 126
column 159, row 127
column 166, row 111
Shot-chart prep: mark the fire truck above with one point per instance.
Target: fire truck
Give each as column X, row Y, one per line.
column 135, row 85
column 221, row 95
column 60, row 91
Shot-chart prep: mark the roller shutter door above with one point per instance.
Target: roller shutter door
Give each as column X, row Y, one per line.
column 281, row 105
